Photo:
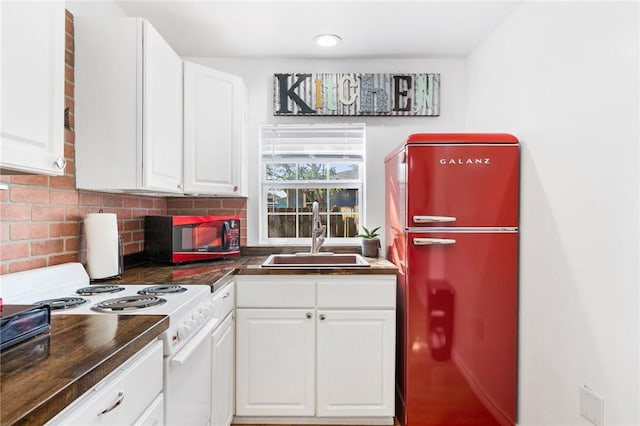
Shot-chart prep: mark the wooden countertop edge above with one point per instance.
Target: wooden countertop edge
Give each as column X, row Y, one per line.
column 49, row 408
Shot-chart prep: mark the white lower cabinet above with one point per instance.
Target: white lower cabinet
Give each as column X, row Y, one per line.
column 275, row 362
column 127, row 396
column 355, row 362
column 316, row 347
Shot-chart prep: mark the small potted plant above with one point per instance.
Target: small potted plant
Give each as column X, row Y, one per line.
column 370, row 242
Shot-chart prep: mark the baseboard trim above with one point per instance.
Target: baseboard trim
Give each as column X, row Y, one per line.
column 315, row 420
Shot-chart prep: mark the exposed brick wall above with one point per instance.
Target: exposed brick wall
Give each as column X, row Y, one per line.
column 41, row 216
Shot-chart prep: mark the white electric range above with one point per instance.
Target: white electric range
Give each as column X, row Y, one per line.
column 187, row 370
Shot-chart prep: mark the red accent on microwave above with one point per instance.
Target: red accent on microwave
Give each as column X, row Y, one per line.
column 179, row 239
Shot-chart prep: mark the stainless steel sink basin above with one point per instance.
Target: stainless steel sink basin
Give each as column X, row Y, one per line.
column 320, row 260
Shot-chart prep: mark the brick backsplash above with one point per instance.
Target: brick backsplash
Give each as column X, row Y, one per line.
column 41, row 216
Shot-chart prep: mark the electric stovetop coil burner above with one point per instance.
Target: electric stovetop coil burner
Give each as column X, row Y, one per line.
column 158, row 290
column 128, row 303
column 99, row 289
column 62, row 302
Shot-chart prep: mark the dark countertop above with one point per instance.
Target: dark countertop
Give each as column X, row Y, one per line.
column 210, row 272
column 41, row 376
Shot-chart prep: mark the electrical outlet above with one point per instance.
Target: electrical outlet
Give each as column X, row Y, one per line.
column 591, row 406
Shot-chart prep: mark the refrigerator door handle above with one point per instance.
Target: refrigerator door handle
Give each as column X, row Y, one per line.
column 431, row 219
column 432, row 241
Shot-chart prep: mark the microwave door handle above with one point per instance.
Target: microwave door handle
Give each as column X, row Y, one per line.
column 432, row 219
column 224, row 236
column 432, row 241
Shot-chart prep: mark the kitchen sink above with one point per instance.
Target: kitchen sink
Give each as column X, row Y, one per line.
column 320, row 260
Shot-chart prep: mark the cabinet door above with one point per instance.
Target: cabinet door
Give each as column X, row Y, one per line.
column 356, row 357
column 223, row 380
column 32, row 112
column 162, row 112
column 275, row 362
column 213, row 131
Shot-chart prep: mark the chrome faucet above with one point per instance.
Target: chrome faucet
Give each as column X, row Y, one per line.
column 317, row 229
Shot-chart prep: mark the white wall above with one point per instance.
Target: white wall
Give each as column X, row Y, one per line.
column 107, row 8
column 563, row 77
column 383, row 134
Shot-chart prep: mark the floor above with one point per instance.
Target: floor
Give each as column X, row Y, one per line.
column 395, row 423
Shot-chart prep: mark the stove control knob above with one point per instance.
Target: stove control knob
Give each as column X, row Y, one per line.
column 198, row 318
column 183, row 332
column 191, row 324
column 207, row 310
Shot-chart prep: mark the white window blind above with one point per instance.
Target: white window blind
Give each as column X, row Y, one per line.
column 313, row 140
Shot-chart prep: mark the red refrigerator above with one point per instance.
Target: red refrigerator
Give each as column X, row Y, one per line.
column 452, row 230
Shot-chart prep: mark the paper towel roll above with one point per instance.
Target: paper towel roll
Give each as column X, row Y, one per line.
column 102, row 245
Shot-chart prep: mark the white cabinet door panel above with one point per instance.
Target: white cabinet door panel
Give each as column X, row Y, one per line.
column 108, row 103
column 162, row 123
column 213, row 131
column 33, row 74
column 275, row 362
column 356, row 357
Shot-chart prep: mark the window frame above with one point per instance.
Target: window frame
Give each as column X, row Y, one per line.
column 326, row 183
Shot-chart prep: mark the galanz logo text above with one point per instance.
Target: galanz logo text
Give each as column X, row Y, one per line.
column 464, row 161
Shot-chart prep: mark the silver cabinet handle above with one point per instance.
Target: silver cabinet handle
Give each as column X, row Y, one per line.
column 60, row 162
column 432, row 241
column 322, row 317
column 309, row 315
column 431, row 219
column 115, row 404
column 227, row 294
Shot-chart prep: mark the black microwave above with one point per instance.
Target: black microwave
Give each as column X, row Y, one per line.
column 180, row 239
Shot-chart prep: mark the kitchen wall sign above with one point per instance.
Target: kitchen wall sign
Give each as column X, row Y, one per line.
column 362, row 94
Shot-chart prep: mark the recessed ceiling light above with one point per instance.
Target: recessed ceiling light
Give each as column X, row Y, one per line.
column 327, row 40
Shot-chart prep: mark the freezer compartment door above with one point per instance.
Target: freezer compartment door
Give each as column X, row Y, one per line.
column 460, row 307
column 462, row 186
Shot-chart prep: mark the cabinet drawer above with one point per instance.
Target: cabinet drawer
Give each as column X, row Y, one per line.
column 223, row 301
column 154, row 415
column 275, row 292
column 371, row 292
column 135, row 384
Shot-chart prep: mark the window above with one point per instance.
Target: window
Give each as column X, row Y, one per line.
column 301, row 164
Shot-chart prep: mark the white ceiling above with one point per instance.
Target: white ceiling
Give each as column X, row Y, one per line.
column 285, row 29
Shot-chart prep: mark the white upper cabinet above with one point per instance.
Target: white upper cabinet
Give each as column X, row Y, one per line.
column 128, row 107
column 32, row 111
column 214, row 118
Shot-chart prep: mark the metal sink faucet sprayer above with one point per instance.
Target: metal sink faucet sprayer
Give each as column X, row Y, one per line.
column 317, row 229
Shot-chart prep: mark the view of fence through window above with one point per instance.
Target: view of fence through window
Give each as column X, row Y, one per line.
column 293, row 180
